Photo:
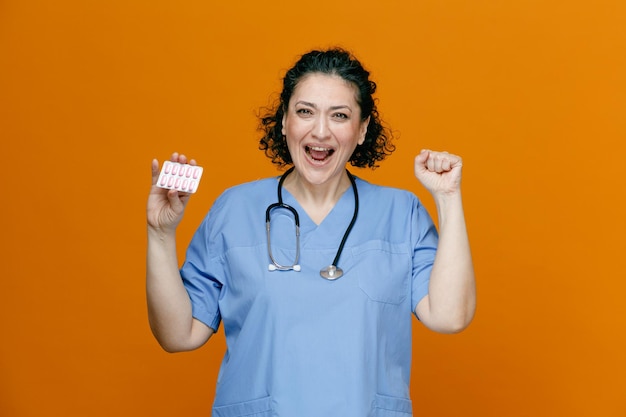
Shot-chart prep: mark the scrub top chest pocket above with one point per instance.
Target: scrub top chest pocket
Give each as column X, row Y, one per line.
column 383, row 270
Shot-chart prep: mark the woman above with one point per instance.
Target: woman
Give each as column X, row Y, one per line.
column 325, row 329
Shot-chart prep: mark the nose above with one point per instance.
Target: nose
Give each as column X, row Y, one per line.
column 321, row 129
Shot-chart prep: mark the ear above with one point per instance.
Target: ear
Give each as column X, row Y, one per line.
column 363, row 131
column 283, row 131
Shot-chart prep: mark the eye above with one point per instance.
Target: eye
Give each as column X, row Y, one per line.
column 341, row 116
column 304, row 111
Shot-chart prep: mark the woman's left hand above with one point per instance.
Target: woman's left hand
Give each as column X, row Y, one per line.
column 439, row 172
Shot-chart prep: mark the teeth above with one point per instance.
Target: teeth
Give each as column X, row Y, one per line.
column 319, row 153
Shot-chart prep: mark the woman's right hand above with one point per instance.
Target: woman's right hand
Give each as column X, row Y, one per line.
column 166, row 207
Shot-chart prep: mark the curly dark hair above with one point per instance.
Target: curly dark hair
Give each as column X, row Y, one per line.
column 336, row 61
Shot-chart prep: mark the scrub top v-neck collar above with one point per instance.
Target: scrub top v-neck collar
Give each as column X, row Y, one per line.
column 330, row 231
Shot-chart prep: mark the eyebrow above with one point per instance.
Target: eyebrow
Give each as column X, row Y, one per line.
column 306, row 103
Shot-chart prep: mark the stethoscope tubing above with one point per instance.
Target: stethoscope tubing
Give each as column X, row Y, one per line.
column 330, row 272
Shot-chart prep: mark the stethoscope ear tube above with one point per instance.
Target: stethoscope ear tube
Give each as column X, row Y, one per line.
column 275, row 266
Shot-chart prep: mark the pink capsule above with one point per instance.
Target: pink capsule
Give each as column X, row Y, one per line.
column 170, row 181
column 188, row 171
column 168, row 167
column 181, row 172
column 163, row 180
column 184, row 186
column 175, row 169
column 196, row 173
column 192, row 186
column 177, row 183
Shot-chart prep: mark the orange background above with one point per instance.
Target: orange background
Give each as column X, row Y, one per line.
column 531, row 93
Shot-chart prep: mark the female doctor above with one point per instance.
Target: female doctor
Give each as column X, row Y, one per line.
column 314, row 275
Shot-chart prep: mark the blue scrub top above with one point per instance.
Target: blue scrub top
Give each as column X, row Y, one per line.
column 299, row 345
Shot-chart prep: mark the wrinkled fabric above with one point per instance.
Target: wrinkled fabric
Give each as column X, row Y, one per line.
column 297, row 344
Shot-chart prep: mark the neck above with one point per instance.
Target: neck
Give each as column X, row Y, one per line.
column 317, row 199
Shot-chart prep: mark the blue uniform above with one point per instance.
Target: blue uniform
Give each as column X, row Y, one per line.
column 299, row 345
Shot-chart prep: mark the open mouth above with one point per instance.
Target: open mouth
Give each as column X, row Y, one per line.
column 318, row 153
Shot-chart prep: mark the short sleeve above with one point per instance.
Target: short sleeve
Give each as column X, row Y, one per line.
column 424, row 239
column 200, row 273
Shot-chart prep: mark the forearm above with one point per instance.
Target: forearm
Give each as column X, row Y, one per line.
column 451, row 302
column 169, row 307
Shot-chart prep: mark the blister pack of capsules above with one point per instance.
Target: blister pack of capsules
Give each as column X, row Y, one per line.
column 180, row 177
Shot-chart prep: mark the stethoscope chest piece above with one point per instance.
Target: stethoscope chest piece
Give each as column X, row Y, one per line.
column 331, row 272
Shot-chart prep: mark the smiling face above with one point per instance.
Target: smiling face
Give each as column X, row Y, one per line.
column 323, row 126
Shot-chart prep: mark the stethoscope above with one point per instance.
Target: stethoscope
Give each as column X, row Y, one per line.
column 331, row 272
